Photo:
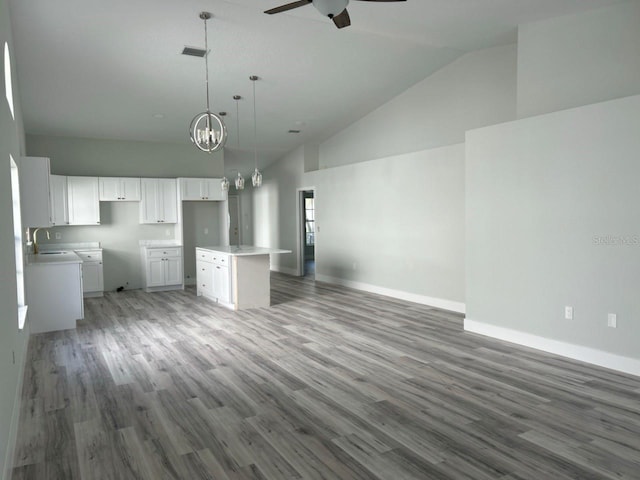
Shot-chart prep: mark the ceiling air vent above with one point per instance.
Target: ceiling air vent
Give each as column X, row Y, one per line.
column 194, row 52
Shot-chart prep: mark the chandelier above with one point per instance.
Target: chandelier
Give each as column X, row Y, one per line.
column 207, row 130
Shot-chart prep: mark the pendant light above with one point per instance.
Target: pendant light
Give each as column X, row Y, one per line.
column 225, row 181
column 256, row 178
column 239, row 178
column 207, row 130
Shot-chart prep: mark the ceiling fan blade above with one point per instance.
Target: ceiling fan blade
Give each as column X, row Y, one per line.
column 288, row 6
column 342, row 20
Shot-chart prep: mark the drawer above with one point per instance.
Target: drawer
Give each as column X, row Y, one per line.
column 220, row 259
column 90, row 255
column 204, row 256
column 203, row 269
column 163, row 252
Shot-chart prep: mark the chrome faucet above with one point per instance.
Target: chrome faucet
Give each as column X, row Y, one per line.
column 35, row 240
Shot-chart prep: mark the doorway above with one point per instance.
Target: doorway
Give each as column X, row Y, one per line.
column 235, row 232
column 308, row 233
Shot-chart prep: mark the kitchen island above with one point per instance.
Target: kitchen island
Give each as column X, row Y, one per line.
column 237, row 277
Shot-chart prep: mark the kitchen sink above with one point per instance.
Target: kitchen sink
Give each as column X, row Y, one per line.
column 52, row 253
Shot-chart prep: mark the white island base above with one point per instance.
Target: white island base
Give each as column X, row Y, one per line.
column 236, row 277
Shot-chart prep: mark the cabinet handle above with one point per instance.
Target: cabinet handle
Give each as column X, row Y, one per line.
column 218, row 268
column 88, row 256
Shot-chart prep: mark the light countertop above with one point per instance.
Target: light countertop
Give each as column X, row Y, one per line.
column 243, row 250
column 59, row 258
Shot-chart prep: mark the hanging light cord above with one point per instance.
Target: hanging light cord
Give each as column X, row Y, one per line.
column 238, row 120
column 206, row 60
column 255, row 126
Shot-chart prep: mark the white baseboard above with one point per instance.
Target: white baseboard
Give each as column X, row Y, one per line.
column 285, row 270
column 450, row 305
column 15, row 416
column 569, row 350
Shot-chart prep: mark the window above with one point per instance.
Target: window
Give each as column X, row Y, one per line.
column 8, row 86
column 17, row 240
column 309, row 221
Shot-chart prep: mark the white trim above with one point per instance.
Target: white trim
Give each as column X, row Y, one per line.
column 285, row 270
column 453, row 306
column 569, row 350
column 15, row 416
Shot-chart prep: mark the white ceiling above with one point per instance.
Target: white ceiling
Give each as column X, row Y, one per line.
column 103, row 69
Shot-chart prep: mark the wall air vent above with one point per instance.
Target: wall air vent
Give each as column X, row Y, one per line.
column 194, row 52
column 294, row 131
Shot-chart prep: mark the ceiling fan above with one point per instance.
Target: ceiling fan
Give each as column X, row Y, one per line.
column 336, row 10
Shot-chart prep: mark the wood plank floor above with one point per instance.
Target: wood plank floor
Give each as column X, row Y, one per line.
column 328, row 383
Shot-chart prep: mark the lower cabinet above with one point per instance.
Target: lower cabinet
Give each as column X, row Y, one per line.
column 92, row 272
column 54, row 296
column 213, row 276
column 162, row 268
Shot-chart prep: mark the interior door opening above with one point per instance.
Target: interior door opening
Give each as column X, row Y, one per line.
column 308, row 244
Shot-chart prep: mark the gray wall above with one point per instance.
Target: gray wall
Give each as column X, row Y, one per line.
column 579, row 59
column 389, row 190
column 476, row 90
column 12, row 341
column 396, row 223
column 553, row 220
column 122, row 158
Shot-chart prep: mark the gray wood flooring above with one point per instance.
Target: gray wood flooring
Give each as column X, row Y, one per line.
column 328, row 383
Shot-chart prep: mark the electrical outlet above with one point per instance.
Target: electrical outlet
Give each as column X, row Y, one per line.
column 58, row 236
column 167, row 232
column 355, row 266
column 568, row 313
column 206, row 231
column 612, row 320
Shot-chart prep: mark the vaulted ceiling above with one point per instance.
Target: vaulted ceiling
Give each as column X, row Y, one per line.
column 114, row 69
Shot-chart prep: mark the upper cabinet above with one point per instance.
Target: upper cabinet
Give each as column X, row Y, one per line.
column 58, row 200
column 119, row 189
column 201, row 189
column 159, row 200
column 35, row 204
column 83, row 200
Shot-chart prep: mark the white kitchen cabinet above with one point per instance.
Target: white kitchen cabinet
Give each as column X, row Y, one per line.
column 58, row 200
column 162, row 268
column 119, row 189
column 53, row 286
column 83, row 200
column 159, row 201
column 202, row 189
column 35, row 206
column 92, row 272
column 213, row 279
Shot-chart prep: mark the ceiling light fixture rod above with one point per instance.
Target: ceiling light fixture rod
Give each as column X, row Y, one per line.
column 256, row 178
column 206, row 16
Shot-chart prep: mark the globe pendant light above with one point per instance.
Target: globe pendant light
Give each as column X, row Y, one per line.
column 256, row 178
column 207, row 130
